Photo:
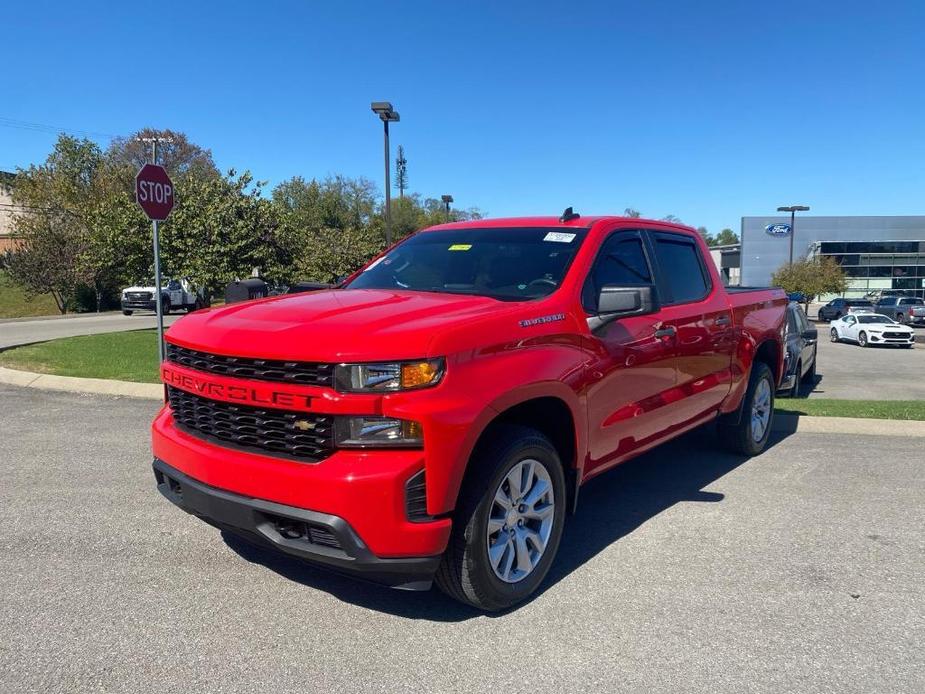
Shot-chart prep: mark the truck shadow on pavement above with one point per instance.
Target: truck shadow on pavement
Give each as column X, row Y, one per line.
column 610, row 507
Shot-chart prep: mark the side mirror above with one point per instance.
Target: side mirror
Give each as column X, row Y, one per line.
column 616, row 301
column 810, row 334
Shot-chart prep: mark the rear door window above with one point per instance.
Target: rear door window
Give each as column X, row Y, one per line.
column 681, row 267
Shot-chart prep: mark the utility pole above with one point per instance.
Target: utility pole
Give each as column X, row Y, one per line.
column 401, row 171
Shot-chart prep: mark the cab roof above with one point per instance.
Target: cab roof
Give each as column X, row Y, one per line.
column 581, row 222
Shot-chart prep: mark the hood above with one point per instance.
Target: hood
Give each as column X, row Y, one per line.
column 333, row 325
column 886, row 326
column 140, row 289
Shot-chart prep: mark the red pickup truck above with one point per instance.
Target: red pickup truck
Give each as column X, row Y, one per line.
column 434, row 416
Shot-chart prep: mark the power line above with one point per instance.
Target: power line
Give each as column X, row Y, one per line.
column 45, row 128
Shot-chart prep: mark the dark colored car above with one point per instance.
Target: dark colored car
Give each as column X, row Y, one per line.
column 800, row 346
column 899, row 308
column 837, row 308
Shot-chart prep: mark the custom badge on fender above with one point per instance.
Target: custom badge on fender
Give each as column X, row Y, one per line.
column 542, row 319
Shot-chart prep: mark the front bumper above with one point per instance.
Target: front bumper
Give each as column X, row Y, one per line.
column 321, row 538
column 131, row 305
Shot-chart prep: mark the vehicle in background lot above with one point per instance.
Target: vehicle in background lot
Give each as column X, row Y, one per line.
column 899, row 308
column 175, row 294
column 798, row 297
column 917, row 315
column 800, row 344
column 878, row 294
column 435, row 415
column 837, row 308
column 871, row 329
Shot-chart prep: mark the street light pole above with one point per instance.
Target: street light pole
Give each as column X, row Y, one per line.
column 387, row 115
column 447, row 199
column 793, row 209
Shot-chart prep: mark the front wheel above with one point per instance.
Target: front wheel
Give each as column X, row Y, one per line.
column 508, row 523
column 126, row 313
column 833, row 335
column 750, row 434
column 862, row 339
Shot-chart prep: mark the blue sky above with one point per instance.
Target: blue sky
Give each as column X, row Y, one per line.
column 707, row 110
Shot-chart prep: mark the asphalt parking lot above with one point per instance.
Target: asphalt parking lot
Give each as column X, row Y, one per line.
column 686, row 570
column 849, row 372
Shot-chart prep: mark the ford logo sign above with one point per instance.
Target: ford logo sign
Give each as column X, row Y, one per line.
column 777, row 229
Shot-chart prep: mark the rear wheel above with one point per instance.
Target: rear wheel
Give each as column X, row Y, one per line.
column 900, row 318
column 862, row 339
column 508, row 523
column 750, row 434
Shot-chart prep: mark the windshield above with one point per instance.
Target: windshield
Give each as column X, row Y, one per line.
column 510, row 264
column 873, row 318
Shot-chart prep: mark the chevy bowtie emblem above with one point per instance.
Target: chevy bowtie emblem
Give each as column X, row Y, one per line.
column 303, row 425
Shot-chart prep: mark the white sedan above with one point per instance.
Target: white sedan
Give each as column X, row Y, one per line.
column 871, row 329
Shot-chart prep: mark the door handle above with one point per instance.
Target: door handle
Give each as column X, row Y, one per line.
column 666, row 332
column 723, row 320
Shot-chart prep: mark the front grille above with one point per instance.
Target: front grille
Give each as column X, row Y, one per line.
column 306, row 437
column 138, row 296
column 301, row 372
column 904, row 336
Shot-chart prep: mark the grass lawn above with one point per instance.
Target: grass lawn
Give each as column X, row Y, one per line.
column 868, row 409
column 15, row 304
column 130, row 356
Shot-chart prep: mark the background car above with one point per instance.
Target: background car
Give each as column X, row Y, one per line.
column 899, row 308
column 871, row 329
column 800, row 344
column 837, row 308
column 917, row 315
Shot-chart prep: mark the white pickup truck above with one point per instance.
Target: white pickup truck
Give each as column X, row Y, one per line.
column 175, row 294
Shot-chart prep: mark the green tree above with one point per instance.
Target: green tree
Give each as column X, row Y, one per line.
column 221, row 229
column 80, row 228
column 812, row 277
column 630, row 212
column 706, row 236
column 174, row 152
column 725, row 237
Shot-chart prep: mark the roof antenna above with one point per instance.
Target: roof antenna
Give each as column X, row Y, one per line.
column 568, row 215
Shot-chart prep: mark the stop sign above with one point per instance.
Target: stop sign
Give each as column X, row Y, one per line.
column 154, row 191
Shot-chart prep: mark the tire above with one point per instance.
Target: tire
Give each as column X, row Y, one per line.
column 900, row 319
column 739, row 437
column 126, row 313
column 862, row 339
column 467, row 572
column 809, row 378
column 165, row 306
column 833, row 335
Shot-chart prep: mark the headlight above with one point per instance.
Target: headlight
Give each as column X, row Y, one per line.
column 362, row 432
column 388, row 377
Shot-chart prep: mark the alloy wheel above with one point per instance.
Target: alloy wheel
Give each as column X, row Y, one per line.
column 520, row 521
column 761, row 410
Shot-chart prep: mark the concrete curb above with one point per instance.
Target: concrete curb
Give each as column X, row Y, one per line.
column 791, row 424
column 72, row 384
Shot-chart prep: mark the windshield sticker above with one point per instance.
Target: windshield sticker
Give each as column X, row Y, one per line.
column 460, row 246
column 542, row 319
column 559, row 237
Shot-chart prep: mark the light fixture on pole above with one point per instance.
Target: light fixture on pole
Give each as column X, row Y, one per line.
column 447, row 199
column 387, row 115
column 793, row 209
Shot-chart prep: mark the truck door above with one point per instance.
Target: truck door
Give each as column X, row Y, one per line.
column 697, row 308
column 632, row 371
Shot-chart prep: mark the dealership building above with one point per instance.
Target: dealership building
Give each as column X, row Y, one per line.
column 876, row 253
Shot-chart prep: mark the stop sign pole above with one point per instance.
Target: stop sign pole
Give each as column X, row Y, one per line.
column 154, row 194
